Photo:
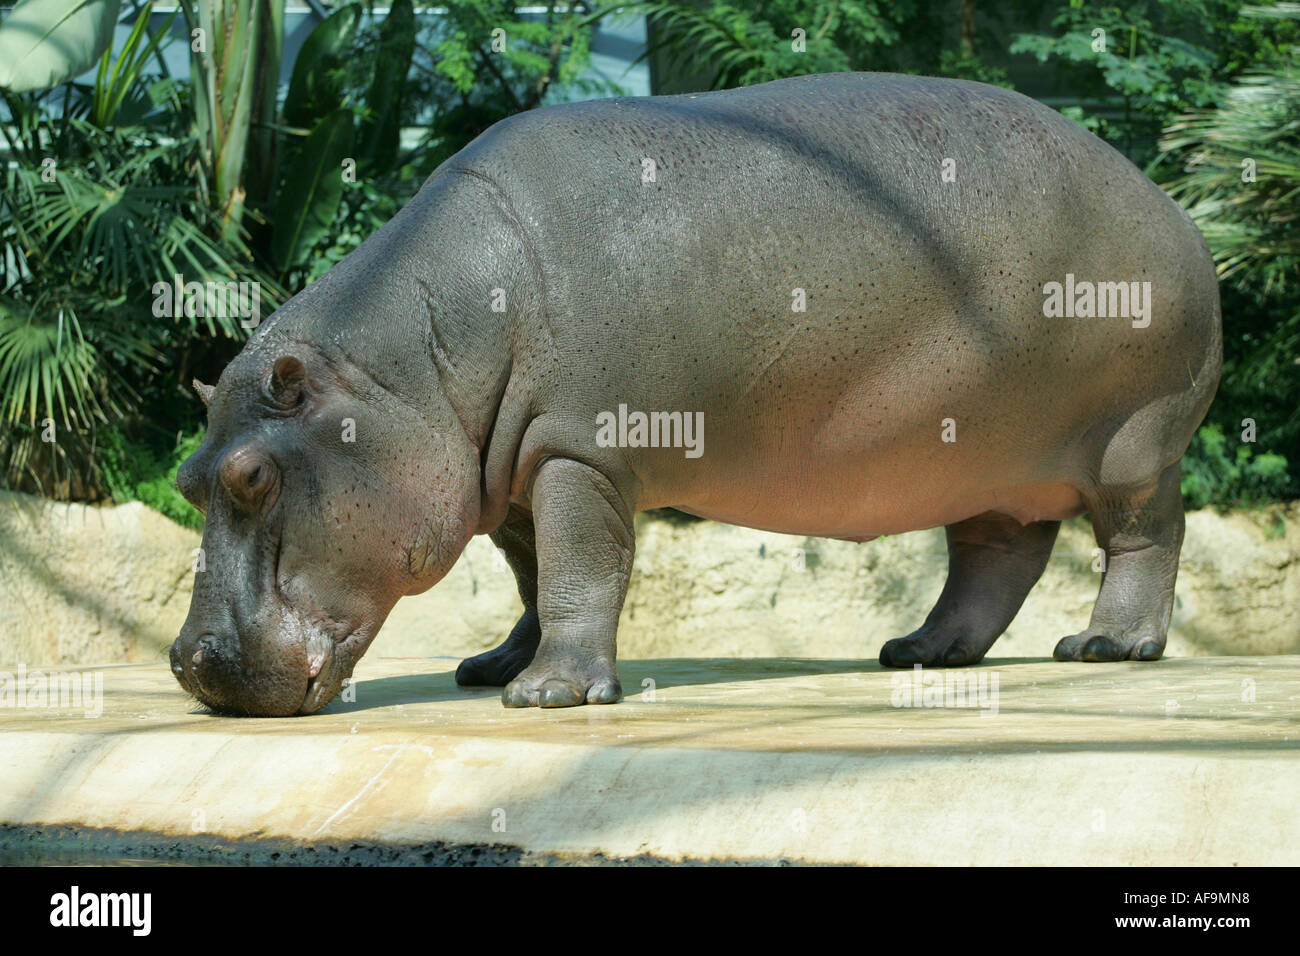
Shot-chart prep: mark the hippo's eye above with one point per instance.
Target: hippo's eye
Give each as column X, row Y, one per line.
column 285, row 385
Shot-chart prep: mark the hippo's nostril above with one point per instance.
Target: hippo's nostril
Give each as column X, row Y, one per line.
column 206, row 651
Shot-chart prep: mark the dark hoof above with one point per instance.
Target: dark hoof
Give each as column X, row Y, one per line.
column 545, row 688
column 906, row 652
column 1095, row 647
column 1150, row 651
column 516, row 695
column 560, row 693
column 1102, row 648
column 931, row 649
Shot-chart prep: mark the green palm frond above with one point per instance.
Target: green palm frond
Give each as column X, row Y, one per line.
column 84, row 238
column 720, row 35
column 1239, row 179
column 1240, row 174
column 48, row 369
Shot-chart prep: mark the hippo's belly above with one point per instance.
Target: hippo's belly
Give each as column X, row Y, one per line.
column 859, row 499
column 814, row 512
column 856, row 455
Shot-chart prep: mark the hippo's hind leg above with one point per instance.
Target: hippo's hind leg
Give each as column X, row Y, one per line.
column 499, row 666
column 1141, row 533
column 993, row 561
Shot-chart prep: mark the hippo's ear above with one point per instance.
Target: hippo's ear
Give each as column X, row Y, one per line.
column 288, row 376
column 205, row 391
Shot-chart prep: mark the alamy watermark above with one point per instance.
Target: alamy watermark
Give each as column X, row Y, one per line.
column 651, row 430
column 927, row 688
column 74, row 908
column 1086, row 300
column 240, row 300
column 56, row 689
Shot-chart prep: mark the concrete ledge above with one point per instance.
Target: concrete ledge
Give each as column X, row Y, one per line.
column 1189, row 761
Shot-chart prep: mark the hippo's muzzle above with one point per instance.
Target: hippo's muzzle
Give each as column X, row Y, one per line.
column 295, row 671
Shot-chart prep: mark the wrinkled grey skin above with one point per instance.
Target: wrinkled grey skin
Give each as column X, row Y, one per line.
column 924, row 303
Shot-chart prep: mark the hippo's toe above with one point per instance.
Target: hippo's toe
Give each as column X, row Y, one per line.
column 906, row 652
column 560, row 693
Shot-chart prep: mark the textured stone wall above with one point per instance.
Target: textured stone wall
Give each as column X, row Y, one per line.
column 82, row 585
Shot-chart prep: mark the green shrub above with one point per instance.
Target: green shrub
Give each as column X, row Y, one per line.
column 1224, row 472
column 135, row 471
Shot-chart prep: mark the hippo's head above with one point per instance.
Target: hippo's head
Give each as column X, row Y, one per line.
column 326, row 498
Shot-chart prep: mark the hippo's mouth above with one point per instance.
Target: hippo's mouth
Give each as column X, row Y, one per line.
column 330, row 645
column 329, row 664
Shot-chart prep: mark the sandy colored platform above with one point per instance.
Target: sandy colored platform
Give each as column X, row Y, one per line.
column 1190, row 761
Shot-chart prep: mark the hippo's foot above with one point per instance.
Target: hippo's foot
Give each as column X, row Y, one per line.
column 934, row 647
column 499, row 666
column 1141, row 533
column 564, row 683
column 993, row 561
column 1096, row 644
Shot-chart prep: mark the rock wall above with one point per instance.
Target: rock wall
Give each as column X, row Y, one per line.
column 88, row 585
column 82, row 585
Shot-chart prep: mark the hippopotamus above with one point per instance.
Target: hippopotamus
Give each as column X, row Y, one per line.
column 847, row 306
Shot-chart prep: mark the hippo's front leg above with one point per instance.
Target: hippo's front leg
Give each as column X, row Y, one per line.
column 584, row 541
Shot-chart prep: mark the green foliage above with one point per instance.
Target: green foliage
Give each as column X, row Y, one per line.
column 308, row 200
column 99, row 204
column 1237, row 171
column 118, row 79
column 725, row 44
column 229, row 68
column 964, row 66
column 317, row 85
column 348, row 89
column 1133, row 64
column 1223, row 473
column 134, row 470
column 380, row 131
column 46, row 42
column 483, row 61
column 1241, row 176
column 741, row 47
column 757, row 42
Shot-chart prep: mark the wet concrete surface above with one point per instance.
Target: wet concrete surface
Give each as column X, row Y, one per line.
column 1183, row 761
